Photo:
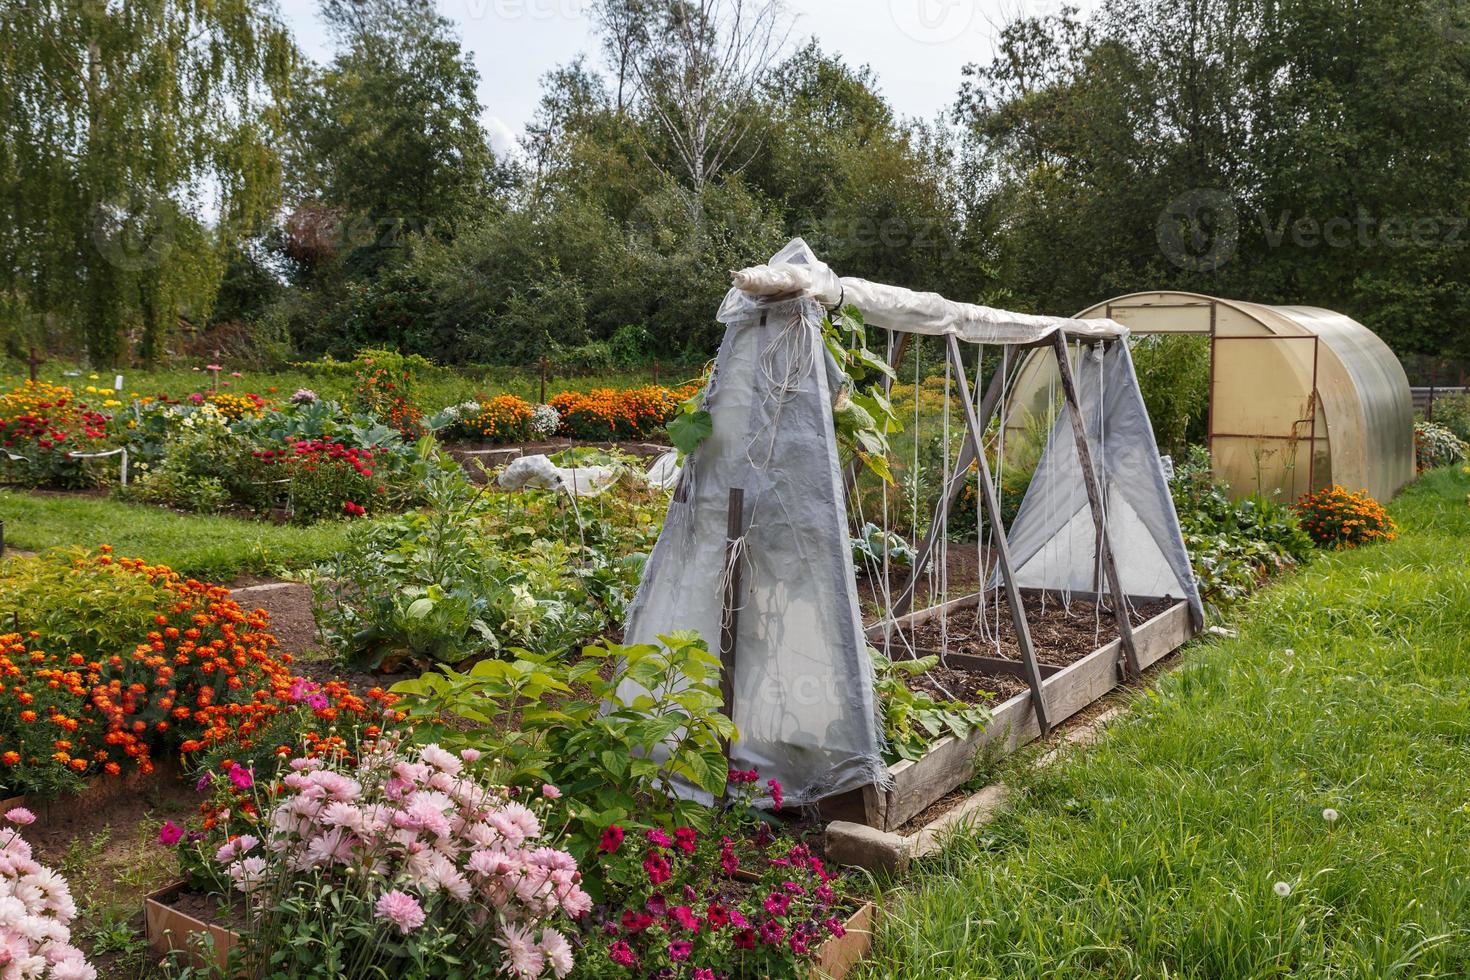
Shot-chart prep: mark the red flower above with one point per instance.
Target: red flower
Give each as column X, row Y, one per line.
column 745, row 939
column 685, row 917
column 684, row 838
column 612, row 839
column 717, row 916
column 775, row 788
column 657, row 868
column 636, row 921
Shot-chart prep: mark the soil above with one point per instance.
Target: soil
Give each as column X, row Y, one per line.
column 962, row 571
column 289, row 606
column 107, row 847
column 234, row 914
column 1060, row 635
column 969, row 686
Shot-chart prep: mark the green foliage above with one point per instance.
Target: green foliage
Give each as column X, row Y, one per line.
column 1453, row 412
column 875, row 548
column 1437, row 445
column 114, row 118
column 862, row 413
column 913, row 721
column 617, row 756
column 478, row 571
column 1233, row 546
column 1174, row 376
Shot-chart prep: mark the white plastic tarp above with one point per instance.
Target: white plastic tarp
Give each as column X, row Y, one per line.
column 795, row 271
column 803, row 694
column 1053, row 535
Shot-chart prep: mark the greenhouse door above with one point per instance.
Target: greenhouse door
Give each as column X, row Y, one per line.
column 1263, row 414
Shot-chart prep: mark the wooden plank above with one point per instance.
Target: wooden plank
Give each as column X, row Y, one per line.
column 1095, row 502
column 979, row 664
column 951, row 761
column 731, row 602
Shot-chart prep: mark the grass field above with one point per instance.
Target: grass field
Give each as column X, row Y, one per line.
column 213, row 548
column 1198, row 839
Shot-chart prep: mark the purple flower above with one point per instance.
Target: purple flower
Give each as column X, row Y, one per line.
column 317, row 701
column 202, row 784
column 170, row 833
column 679, row 950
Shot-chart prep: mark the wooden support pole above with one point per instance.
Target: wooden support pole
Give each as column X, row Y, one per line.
column 1002, row 544
column 1095, row 502
column 947, row 497
column 731, row 602
column 545, row 364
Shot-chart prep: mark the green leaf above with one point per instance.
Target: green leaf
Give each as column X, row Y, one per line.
column 688, row 430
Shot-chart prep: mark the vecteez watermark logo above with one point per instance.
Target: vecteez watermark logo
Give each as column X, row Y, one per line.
column 1199, row 231
column 933, row 21
column 136, row 232
column 525, row 9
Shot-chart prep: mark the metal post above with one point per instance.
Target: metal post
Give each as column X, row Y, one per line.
column 1094, row 501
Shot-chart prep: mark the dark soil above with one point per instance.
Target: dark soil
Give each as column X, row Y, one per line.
column 289, row 606
column 969, row 686
column 1060, row 635
column 227, row 912
column 962, row 571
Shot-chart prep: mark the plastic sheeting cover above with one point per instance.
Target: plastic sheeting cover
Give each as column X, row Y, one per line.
column 796, row 271
column 1053, row 535
column 803, row 701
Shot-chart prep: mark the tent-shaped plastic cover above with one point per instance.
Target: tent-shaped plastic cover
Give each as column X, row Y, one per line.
column 1053, row 537
column 803, row 690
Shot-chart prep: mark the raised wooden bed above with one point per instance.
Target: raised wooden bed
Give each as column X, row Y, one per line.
column 169, row 929
column 913, row 786
column 840, row 954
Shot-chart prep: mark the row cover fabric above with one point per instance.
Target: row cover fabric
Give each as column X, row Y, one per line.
column 796, row 271
column 1053, row 536
column 803, row 693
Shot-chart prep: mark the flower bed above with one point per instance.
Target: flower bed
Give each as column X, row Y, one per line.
column 117, row 661
column 607, row 414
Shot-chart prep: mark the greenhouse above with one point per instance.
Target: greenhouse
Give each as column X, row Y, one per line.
column 1300, row 398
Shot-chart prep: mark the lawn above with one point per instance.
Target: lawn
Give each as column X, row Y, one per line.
column 1292, row 802
column 215, row 549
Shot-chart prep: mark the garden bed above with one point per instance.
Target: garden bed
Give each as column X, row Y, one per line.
column 1067, row 687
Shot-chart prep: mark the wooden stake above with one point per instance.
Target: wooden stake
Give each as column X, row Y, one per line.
column 544, row 366
column 975, row 433
column 731, row 601
column 1094, row 501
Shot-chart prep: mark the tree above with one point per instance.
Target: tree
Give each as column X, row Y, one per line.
column 388, row 135
column 701, row 76
column 125, row 131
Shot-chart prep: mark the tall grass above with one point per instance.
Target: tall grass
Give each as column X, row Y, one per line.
column 1158, row 853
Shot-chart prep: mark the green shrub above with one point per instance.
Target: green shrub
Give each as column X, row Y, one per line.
column 1436, row 445
column 1232, row 545
column 618, row 758
column 1453, row 412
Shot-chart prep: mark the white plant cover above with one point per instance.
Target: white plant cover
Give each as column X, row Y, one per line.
column 664, row 473
column 795, row 271
column 803, row 701
column 540, row 473
column 1053, row 535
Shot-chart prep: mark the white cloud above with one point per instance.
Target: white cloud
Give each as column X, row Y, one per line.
column 502, row 137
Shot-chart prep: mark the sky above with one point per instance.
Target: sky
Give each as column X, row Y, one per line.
column 916, row 47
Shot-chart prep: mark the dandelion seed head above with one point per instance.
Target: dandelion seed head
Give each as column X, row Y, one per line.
column 1282, row 889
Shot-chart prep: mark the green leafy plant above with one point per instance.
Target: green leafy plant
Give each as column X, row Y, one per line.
column 913, row 721
column 862, row 413
column 873, row 548
column 617, row 752
column 1437, row 445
